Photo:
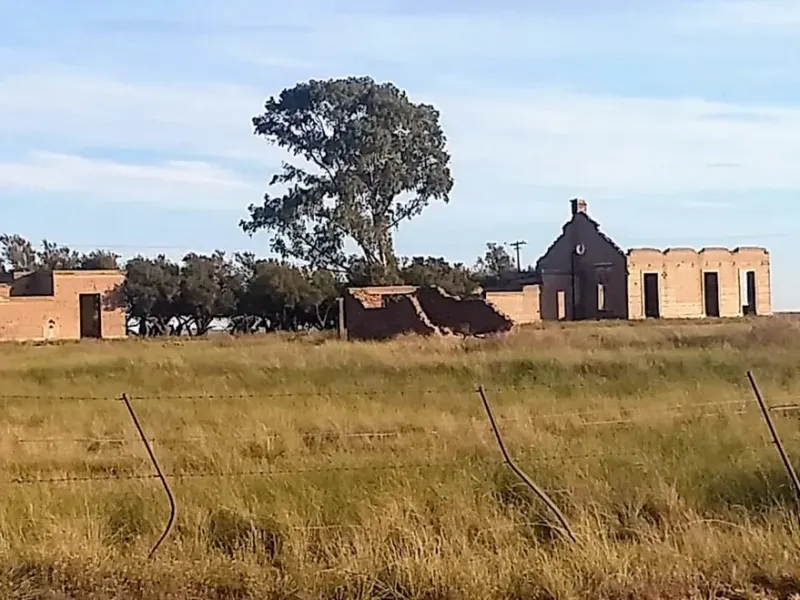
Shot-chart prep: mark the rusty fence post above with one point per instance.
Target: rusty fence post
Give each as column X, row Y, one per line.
column 521, row 474
column 172, row 508
column 776, row 438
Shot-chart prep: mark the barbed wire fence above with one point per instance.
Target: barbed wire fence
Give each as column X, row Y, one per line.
column 579, row 418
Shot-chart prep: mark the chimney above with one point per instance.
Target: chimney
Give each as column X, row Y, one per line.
column 578, row 206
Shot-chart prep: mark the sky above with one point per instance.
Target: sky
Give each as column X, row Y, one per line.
column 127, row 125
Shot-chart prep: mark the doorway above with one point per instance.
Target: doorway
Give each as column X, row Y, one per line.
column 651, row 296
column 91, row 324
column 747, row 292
column 562, row 305
column 711, row 293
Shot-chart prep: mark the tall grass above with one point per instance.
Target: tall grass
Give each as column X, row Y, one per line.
column 645, row 435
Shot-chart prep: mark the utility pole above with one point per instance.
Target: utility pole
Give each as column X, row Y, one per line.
column 517, row 245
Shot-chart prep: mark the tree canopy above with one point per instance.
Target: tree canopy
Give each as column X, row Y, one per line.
column 19, row 254
column 371, row 159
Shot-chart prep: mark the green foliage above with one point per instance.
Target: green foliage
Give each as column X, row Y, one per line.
column 372, row 159
column 249, row 294
column 210, row 287
column 151, row 289
column 428, row 270
column 279, row 296
column 19, row 254
column 496, row 262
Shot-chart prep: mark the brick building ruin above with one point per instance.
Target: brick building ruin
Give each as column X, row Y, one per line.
column 583, row 275
column 61, row 305
column 386, row 311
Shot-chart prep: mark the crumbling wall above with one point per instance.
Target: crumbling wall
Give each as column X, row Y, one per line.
column 384, row 312
column 471, row 315
column 382, row 316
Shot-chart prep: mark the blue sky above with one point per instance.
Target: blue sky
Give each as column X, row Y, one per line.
column 126, row 124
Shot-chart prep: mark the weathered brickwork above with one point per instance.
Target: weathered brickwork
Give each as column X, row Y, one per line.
column 47, row 306
column 688, row 281
column 582, row 275
column 384, row 312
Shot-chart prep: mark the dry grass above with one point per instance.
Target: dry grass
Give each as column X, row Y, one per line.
column 667, row 502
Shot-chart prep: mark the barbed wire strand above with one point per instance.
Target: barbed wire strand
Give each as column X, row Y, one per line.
column 308, row 393
column 230, row 474
column 469, row 461
column 678, row 410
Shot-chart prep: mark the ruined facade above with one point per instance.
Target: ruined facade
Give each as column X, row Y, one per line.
column 386, row 311
column 683, row 283
column 61, row 305
column 583, row 275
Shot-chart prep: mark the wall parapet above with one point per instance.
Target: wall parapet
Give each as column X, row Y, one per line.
column 704, row 250
column 712, row 282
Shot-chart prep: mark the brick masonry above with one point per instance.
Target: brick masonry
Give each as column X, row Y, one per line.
column 46, row 306
column 384, row 312
column 680, row 273
column 522, row 307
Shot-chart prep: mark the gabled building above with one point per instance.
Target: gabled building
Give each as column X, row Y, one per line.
column 584, row 274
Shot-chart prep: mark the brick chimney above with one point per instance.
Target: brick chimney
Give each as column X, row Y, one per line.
column 578, row 206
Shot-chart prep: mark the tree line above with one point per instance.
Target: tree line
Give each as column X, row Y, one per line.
column 248, row 294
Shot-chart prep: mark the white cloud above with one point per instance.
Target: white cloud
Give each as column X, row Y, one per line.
column 431, row 34
column 623, row 145
column 499, row 136
column 83, row 110
column 189, row 183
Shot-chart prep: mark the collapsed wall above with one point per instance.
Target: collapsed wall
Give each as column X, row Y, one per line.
column 468, row 316
column 370, row 315
column 384, row 312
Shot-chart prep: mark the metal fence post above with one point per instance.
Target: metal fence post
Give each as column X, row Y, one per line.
column 521, row 474
column 776, row 438
column 172, row 508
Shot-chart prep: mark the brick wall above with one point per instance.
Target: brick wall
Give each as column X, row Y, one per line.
column 366, row 316
column 680, row 280
column 57, row 316
column 463, row 315
column 522, row 307
column 576, row 277
column 383, row 312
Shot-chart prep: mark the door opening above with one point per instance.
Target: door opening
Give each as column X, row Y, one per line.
column 711, row 293
column 747, row 292
column 601, row 297
column 91, row 324
column 651, row 296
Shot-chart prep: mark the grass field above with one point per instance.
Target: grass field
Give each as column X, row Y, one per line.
column 647, row 436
